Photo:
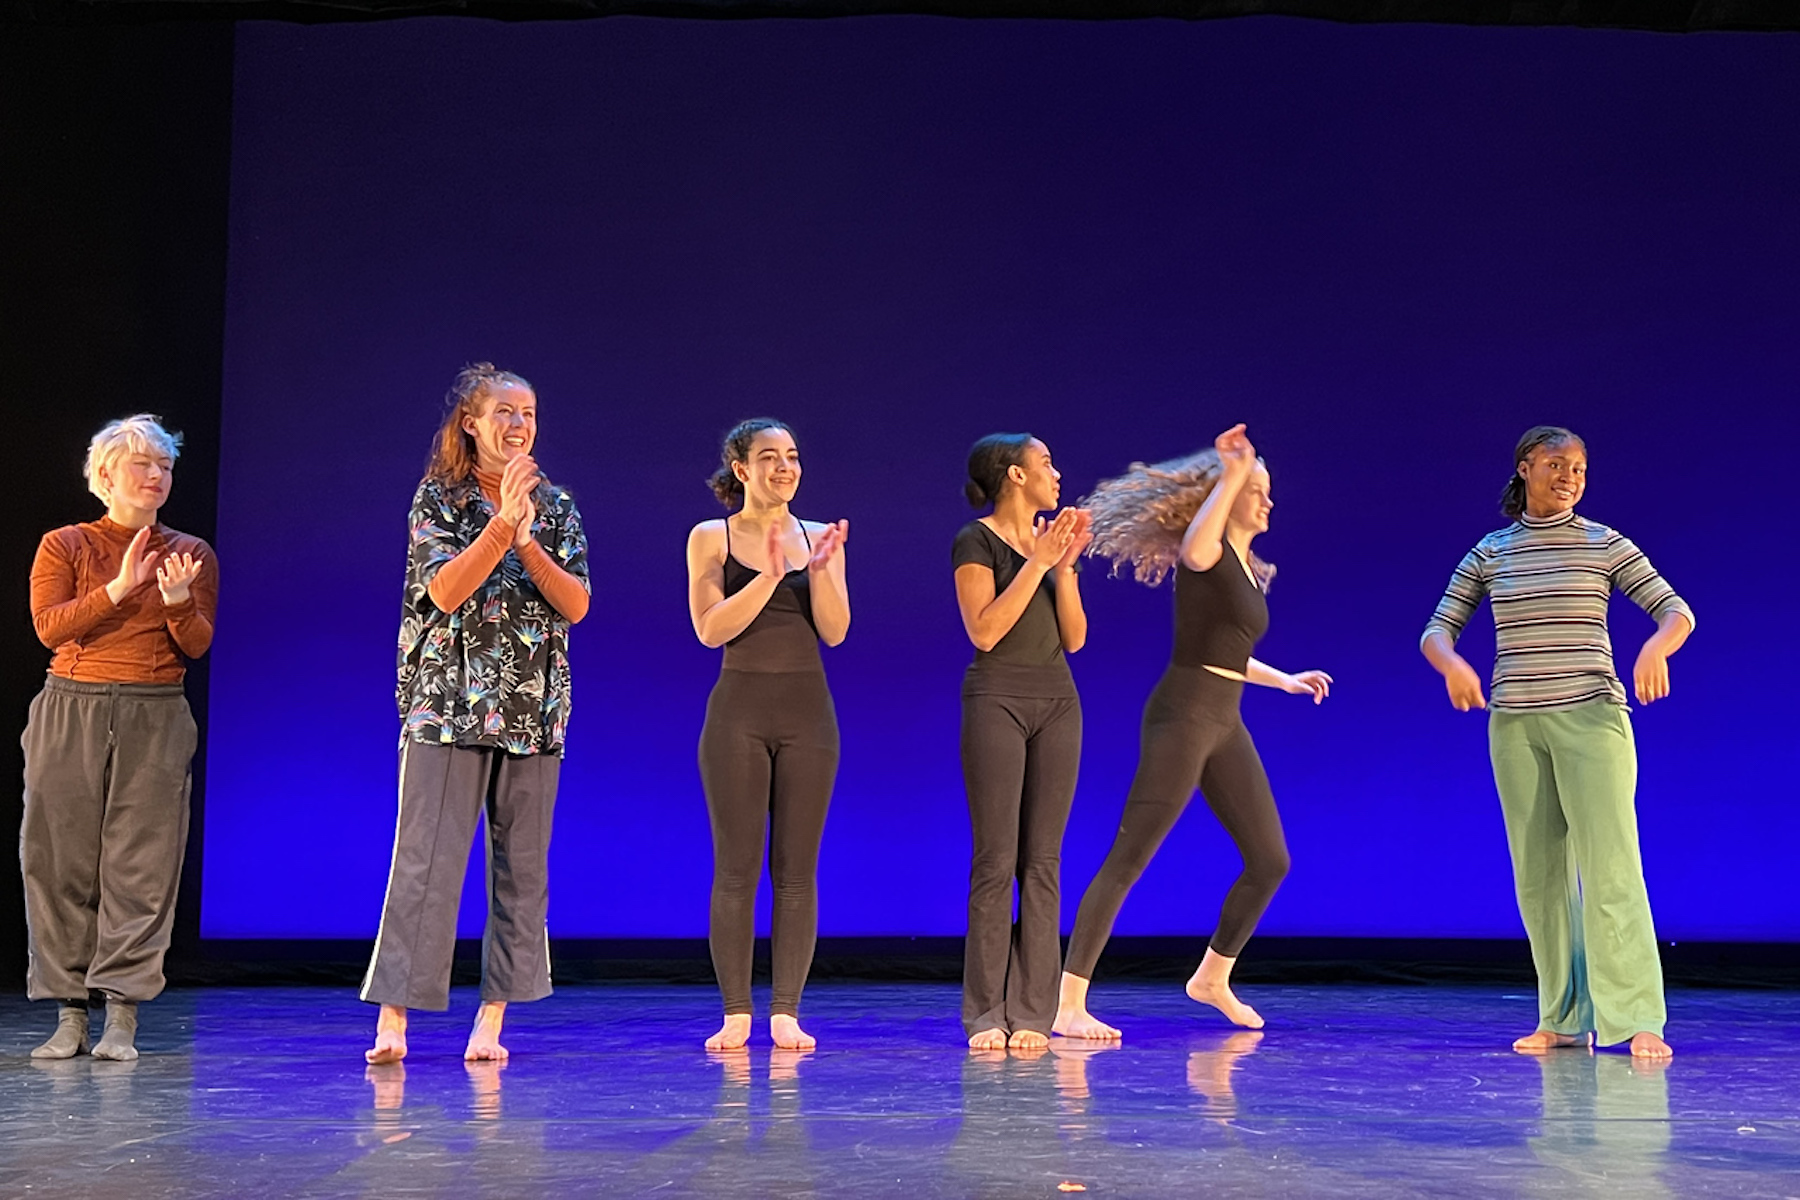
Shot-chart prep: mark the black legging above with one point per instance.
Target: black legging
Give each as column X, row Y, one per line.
column 1020, row 759
column 1192, row 734
column 768, row 756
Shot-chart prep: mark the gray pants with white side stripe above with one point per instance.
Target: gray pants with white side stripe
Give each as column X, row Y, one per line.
column 443, row 789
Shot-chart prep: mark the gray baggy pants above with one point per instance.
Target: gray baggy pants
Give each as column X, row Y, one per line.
column 108, row 769
column 443, row 789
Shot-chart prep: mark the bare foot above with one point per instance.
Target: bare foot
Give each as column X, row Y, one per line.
column 988, row 1039
column 1648, row 1045
column 786, row 1033
column 1211, row 984
column 1545, row 1040
column 484, row 1040
column 1072, row 1017
column 390, row 1037
column 1028, row 1039
column 734, row 1034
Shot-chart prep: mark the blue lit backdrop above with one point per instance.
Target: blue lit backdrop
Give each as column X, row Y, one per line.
column 1388, row 249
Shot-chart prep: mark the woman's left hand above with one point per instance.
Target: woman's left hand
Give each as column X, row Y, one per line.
column 1315, row 683
column 828, row 544
column 1084, row 536
column 1651, row 675
column 177, row 572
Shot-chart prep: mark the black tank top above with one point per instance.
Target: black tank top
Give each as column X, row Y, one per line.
column 783, row 636
column 1219, row 614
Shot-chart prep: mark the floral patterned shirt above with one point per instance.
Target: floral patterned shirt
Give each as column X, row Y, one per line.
column 494, row 672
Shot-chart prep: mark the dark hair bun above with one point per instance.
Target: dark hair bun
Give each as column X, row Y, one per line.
column 989, row 460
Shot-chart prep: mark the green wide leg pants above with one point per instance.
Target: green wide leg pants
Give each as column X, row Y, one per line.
column 1567, row 780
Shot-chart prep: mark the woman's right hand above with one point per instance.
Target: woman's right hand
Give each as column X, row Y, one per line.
column 1054, row 537
column 517, row 481
column 1464, row 686
column 1236, row 455
column 775, row 563
column 136, row 569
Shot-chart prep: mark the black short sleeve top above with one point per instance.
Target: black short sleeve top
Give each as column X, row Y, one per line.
column 1030, row 656
column 1219, row 615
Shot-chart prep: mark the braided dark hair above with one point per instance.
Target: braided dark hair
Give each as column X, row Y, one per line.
column 724, row 482
column 1512, row 500
column 989, row 460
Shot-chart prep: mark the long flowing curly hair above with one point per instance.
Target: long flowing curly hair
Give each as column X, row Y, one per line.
column 1140, row 516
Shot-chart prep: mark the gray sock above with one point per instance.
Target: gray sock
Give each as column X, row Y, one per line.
column 71, row 1036
column 121, row 1031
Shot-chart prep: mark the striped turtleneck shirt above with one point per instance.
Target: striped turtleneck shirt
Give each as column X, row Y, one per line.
column 1550, row 579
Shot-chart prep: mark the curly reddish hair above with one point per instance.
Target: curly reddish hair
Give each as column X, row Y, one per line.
column 1140, row 516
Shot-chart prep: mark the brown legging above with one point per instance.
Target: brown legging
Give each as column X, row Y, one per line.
column 1192, row 735
column 768, row 758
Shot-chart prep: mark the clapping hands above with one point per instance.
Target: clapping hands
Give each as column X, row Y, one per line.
column 173, row 578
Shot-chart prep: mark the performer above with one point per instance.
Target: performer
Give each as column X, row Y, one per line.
column 1197, row 515
column 109, row 744
column 497, row 572
column 1017, row 589
column 1564, row 760
column 768, row 587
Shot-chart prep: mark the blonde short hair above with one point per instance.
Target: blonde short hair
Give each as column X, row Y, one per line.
column 139, row 434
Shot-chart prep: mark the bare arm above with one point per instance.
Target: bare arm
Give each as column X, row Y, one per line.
column 1203, row 543
column 987, row 618
column 1316, row 684
column 826, row 579
column 717, row 617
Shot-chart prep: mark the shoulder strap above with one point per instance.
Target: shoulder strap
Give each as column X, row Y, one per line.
column 802, row 525
column 728, row 535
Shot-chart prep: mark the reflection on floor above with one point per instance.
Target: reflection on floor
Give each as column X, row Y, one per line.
column 1350, row 1091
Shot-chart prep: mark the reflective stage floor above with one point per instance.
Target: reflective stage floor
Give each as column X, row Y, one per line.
column 1351, row 1091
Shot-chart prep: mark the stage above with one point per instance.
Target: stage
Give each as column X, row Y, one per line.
column 1352, row 1090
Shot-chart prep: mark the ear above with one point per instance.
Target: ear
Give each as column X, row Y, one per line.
column 1016, row 473
column 741, row 471
column 468, row 424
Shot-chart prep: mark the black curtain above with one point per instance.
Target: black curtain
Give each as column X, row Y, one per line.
column 114, row 172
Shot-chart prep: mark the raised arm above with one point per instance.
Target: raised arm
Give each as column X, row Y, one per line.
column 826, row 580
column 58, row 614
column 189, row 584
column 717, row 617
column 452, row 574
column 987, row 617
column 563, row 584
column 1203, row 543
column 1071, row 617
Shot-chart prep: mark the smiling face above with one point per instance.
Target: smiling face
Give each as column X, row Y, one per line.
column 770, row 469
column 1036, row 477
column 1253, row 504
column 138, row 479
column 505, row 427
column 1555, row 478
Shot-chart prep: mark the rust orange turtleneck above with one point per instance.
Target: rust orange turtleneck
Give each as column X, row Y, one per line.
column 138, row 640
column 457, row 579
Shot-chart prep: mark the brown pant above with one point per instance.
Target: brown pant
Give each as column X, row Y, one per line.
column 108, row 768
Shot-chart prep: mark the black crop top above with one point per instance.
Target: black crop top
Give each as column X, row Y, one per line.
column 1029, row 660
column 783, row 636
column 1219, row 614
